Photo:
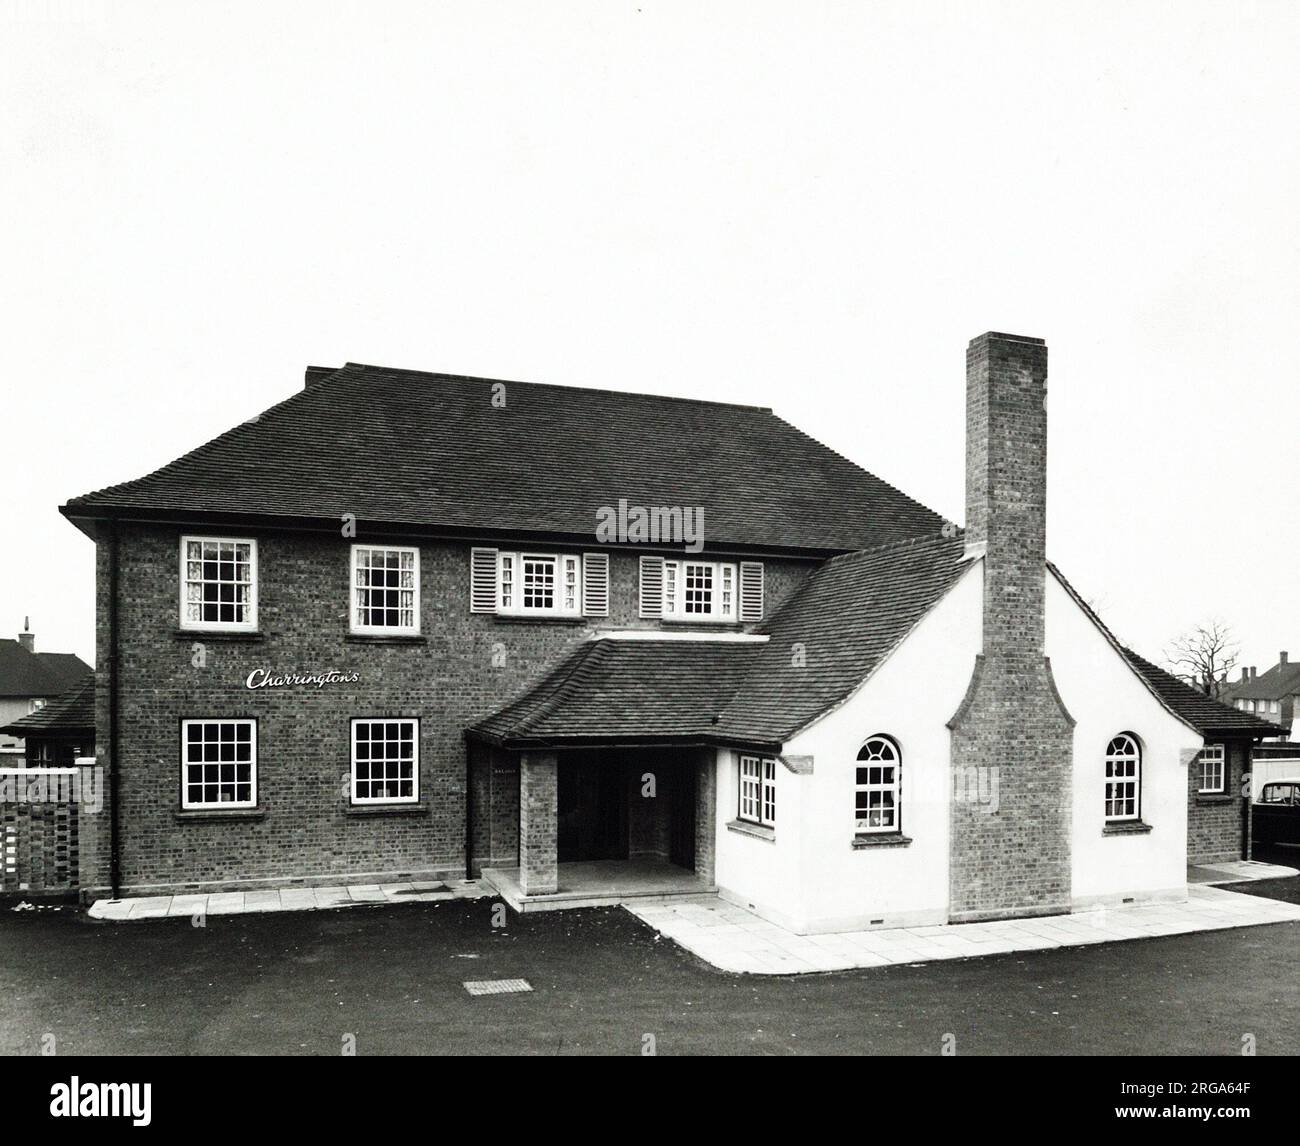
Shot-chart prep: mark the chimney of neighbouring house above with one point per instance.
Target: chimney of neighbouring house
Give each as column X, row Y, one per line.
column 27, row 638
column 1014, row 859
column 1252, row 672
column 1281, row 657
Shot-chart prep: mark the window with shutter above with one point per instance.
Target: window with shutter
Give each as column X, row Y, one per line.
column 595, row 584
column 703, row 591
column 538, row 585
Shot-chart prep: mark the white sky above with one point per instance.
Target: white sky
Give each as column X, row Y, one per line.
column 812, row 206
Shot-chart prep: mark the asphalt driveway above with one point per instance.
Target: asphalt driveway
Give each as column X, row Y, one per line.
column 301, row 983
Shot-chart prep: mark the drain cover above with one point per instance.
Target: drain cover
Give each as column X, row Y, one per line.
column 497, row 986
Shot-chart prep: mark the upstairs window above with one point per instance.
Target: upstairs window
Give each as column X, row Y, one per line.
column 219, row 583
column 1213, row 771
column 385, row 590
column 706, row 592
column 758, row 791
column 878, row 786
column 526, row 584
column 1123, row 778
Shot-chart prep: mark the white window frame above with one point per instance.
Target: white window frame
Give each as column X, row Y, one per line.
column 724, row 592
column 414, row 797
column 221, row 805
column 566, row 584
column 756, row 803
column 893, row 788
column 1123, row 772
column 1216, row 756
column 249, row 624
column 355, row 589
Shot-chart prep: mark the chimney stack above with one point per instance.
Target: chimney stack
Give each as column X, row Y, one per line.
column 1245, row 674
column 1013, row 860
column 27, row 638
column 1252, row 672
column 1281, row 657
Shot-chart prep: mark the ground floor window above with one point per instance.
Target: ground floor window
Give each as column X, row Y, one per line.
column 1123, row 778
column 758, row 790
column 877, row 786
column 1213, row 770
column 218, row 763
column 385, row 761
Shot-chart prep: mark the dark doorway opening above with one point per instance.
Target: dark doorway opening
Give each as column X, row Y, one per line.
column 591, row 803
column 681, row 839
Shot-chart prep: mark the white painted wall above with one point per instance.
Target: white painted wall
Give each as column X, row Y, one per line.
column 810, row 878
column 1105, row 696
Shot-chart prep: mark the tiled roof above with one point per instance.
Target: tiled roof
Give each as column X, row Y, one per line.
column 1279, row 681
column 24, row 673
column 1202, row 712
column 407, row 448
column 72, row 711
column 847, row 617
column 611, row 690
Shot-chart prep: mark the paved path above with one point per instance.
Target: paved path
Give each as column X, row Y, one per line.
column 734, row 939
column 283, row 899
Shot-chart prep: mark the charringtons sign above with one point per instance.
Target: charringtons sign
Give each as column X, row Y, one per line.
column 265, row 678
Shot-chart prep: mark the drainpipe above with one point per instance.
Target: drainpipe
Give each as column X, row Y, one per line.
column 114, row 839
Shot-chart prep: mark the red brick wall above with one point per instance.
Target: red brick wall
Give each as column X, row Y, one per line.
column 468, row 665
column 1214, row 823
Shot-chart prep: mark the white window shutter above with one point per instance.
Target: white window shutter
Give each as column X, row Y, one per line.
column 652, row 586
column 751, row 590
column 595, row 584
column 482, row 580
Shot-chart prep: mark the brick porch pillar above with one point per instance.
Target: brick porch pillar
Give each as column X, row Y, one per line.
column 706, row 813
column 538, row 782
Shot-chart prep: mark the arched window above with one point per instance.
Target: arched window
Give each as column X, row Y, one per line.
column 1123, row 778
column 878, row 786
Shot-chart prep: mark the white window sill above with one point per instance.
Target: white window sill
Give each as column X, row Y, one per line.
column 758, row 831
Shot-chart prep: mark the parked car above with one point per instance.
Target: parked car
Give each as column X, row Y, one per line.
column 1275, row 816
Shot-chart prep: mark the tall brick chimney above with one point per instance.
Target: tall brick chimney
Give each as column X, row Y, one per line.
column 1282, row 656
column 27, row 638
column 1011, row 734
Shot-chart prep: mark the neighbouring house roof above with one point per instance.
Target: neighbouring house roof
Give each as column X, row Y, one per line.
column 413, row 449
column 1207, row 715
column 822, row 644
column 24, row 673
column 70, row 712
column 1281, row 680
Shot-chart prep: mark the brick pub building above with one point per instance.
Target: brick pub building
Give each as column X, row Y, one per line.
column 375, row 634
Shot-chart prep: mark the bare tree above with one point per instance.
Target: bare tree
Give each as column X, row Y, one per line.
column 1204, row 655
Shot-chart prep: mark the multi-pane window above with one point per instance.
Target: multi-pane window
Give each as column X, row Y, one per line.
column 385, row 589
column 385, row 761
column 1213, row 773
column 218, row 583
column 1123, row 778
column 539, row 584
column 218, row 763
column 699, row 591
column 758, row 790
column 877, row 787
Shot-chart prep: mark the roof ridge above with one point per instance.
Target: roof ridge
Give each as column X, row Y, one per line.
column 444, row 376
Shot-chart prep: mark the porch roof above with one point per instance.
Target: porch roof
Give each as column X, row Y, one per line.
column 838, row 627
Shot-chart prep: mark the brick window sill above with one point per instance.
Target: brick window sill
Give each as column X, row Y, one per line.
column 385, row 639
column 218, row 635
column 1126, row 828
column 216, row 815
column 881, row 840
column 421, row 808
column 758, row 831
column 1214, row 798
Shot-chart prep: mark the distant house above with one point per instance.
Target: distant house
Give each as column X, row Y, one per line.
column 1217, row 806
column 60, row 731
column 28, row 681
column 1272, row 695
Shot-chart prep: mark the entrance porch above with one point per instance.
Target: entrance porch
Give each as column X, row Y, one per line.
column 592, row 826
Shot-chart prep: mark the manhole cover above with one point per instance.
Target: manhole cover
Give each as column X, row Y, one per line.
column 497, row 986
